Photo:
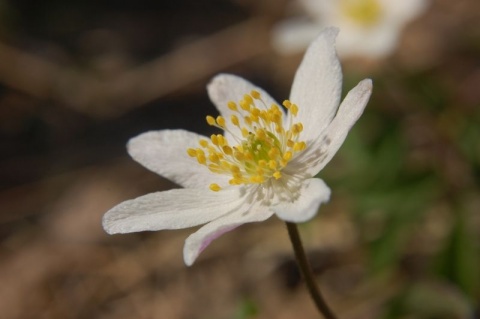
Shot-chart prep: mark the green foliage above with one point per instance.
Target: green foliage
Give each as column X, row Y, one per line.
column 248, row 309
column 460, row 259
column 391, row 193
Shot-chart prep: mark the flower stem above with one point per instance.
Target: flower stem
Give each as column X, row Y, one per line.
column 307, row 272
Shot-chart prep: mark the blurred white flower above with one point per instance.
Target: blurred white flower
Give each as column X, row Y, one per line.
column 370, row 28
column 264, row 164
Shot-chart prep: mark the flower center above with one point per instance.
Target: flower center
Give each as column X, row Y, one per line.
column 263, row 145
column 363, row 12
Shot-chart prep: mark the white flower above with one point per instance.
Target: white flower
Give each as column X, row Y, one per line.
column 370, row 28
column 264, row 163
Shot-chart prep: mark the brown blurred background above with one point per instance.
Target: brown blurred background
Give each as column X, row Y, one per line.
column 399, row 239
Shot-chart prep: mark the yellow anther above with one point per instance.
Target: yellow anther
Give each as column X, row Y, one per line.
column 296, row 129
column 294, row 109
column 203, row 143
column 244, row 132
column 262, row 163
column 255, row 111
column 191, row 152
column 255, row 94
column 221, row 121
column 299, row 146
column 232, row 106
column 221, row 140
column 215, row 168
column 234, row 120
column 214, row 139
column 263, row 115
column 235, row 169
column 248, row 120
column 260, row 133
column 290, row 143
column 211, row 120
column 201, row 159
column 287, row 104
column 215, row 187
column 272, row 153
column 236, row 181
column 238, row 156
column 277, row 118
column 275, row 108
column 248, row 99
column 244, row 105
column 248, row 156
column 277, row 175
column 287, row 156
column 227, row 150
column 272, row 164
column 213, row 158
column 257, row 179
column 225, row 165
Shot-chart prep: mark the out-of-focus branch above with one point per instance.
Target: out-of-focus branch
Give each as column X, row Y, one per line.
column 97, row 96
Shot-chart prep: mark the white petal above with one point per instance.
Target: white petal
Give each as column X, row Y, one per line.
column 165, row 153
column 198, row 241
column 319, row 153
column 317, row 86
column 320, row 10
column 226, row 87
column 368, row 42
column 173, row 209
column 404, row 11
column 314, row 191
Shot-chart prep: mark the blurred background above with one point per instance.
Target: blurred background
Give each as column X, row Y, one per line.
column 399, row 239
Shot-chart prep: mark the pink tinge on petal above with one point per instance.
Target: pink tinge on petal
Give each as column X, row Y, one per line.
column 207, row 240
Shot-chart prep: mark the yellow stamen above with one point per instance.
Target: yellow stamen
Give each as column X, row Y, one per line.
column 215, row 187
column 294, row 109
column 232, row 106
column 256, row 95
column 362, row 12
column 248, row 99
column 211, row 120
column 234, row 120
column 191, row 152
column 265, row 146
column 221, row 121
column 201, row 159
column 214, row 139
column 287, row 156
column 244, row 105
column 203, row 143
column 227, row 150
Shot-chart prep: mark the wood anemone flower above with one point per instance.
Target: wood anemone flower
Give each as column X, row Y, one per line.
column 263, row 164
column 370, row 28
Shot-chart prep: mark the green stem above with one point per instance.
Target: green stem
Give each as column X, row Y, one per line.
column 307, row 272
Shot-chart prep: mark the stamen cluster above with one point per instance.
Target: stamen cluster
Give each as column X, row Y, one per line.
column 364, row 12
column 263, row 149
